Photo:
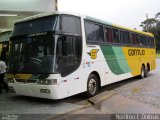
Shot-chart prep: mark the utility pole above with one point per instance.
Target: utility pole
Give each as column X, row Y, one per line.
column 147, row 22
column 56, row 5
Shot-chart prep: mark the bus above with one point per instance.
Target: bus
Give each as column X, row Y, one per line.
column 4, row 44
column 57, row 55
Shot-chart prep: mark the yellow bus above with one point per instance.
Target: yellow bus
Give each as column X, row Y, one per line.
column 4, row 44
column 59, row 54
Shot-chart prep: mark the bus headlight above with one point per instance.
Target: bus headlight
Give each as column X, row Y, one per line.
column 47, row 82
column 10, row 80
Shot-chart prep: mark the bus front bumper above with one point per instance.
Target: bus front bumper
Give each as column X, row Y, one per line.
column 35, row 90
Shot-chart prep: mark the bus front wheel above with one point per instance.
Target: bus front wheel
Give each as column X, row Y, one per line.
column 92, row 85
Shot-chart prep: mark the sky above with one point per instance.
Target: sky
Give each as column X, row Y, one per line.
column 128, row 13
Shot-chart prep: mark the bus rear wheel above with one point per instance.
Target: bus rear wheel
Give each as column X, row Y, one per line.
column 92, row 85
column 143, row 72
column 147, row 71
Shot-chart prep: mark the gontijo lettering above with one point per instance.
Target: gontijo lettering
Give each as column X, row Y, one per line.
column 135, row 52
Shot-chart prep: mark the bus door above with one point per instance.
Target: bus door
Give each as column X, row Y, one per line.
column 69, row 50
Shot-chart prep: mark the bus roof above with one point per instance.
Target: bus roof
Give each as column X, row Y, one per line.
column 117, row 26
column 45, row 15
column 86, row 17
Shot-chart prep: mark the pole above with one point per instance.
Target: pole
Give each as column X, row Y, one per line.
column 147, row 22
column 56, row 5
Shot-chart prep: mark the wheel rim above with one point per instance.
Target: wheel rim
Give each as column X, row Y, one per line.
column 92, row 86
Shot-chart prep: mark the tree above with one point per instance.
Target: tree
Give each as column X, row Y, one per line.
column 153, row 25
column 157, row 16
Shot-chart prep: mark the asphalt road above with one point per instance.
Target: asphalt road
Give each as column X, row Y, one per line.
column 131, row 96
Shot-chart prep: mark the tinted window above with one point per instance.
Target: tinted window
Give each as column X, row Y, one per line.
column 99, row 33
column 69, row 50
column 50, row 23
column 152, row 39
column 135, row 39
column 108, row 34
column 115, row 36
column 32, row 55
column 89, row 28
column 122, row 37
column 150, row 42
column 142, row 40
column 127, row 38
column 71, row 24
column 94, row 32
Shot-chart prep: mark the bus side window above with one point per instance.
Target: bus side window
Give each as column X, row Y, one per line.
column 115, row 35
column 122, row 37
column 94, row 32
column 89, row 30
column 132, row 39
column 144, row 40
column 127, row 38
column 140, row 40
column 108, row 34
column 151, row 42
column 136, row 39
column 99, row 33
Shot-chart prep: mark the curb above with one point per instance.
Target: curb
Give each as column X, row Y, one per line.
column 87, row 103
column 101, row 97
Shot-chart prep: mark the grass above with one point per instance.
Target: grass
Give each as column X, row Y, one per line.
column 158, row 55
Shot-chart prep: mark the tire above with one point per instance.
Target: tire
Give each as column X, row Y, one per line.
column 143, row 72
column 146, row 71
column 92, row 85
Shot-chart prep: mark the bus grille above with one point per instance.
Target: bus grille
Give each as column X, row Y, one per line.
column 31, row 81
column 20, row 80
column 26, row 81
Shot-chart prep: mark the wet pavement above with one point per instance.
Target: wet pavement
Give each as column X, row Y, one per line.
column 130, row 96
column 36, row 108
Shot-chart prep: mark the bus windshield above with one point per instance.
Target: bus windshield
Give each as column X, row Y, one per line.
column 41, row 46
column 33, row 55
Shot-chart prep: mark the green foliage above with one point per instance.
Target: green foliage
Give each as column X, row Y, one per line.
column 158, row 55
column 153, row 25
